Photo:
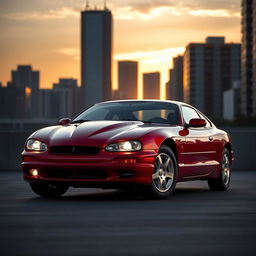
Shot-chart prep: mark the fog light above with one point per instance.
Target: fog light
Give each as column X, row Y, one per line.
column 33, row 172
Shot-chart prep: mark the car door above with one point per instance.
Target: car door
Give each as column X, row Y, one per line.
column 198, row 150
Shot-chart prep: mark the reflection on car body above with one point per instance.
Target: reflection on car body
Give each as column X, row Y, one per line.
column 145, row 144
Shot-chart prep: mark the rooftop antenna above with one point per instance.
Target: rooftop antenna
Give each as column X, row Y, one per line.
column 87, row 5
column 105, row 4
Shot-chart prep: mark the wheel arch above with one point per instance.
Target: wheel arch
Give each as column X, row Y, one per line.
column 171, row 144
column 228, row 147
column 230, row 151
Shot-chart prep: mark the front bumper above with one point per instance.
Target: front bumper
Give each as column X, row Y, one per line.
column 105, row 169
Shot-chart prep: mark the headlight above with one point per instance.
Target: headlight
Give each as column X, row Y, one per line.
column 124, row 146
column 36, row 145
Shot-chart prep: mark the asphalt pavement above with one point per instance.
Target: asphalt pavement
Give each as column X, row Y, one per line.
column 194, row 221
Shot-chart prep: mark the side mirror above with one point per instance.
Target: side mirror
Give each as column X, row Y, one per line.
column 64, row 121
column 196, row 122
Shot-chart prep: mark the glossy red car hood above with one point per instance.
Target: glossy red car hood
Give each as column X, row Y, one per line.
column 93, row 133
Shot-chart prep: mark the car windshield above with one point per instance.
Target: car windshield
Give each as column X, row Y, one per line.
column 145, row 111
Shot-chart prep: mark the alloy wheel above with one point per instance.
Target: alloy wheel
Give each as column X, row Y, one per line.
column 163, row 175
column 225, row 169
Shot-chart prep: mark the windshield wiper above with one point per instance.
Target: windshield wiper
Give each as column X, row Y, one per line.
column 80, row 121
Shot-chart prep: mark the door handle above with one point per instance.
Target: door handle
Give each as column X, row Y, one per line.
column 210, row 138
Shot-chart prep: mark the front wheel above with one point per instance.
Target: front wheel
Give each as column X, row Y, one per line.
column 222, row 182
column 47, row 189
column 164, row 175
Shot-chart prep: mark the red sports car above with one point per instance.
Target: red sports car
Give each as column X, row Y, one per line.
column 146, row 144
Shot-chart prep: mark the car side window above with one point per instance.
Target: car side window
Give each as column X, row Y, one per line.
column 189, row 113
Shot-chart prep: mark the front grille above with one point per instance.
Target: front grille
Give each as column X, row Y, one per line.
column 76, row 174
column 79, row 150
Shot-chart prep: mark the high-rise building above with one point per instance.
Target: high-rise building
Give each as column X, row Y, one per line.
column 248, row 58
column 55, row 104
column 68, row 87
column 168, row 86
column 210, row 69
column 231, row 102
column 24, row 77
column 127, row 79
column 254, row 57
column 151, row 85
column 68, row 83
column 96, row 55
column 47, row 110
column 175, row 84
column 13, row 103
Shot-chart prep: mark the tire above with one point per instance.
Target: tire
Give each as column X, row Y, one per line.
column 164, row 176
column 222, row 182
column 47, row 189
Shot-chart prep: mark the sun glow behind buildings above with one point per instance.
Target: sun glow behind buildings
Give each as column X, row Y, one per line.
column 27, row 91
column 150, row 61
column 150, row 32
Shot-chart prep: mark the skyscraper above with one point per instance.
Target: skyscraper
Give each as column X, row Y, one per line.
column 248, row 58
column 151, row 85
column 67, row 87
column 24, row 77
column 168, row 86
column 12, row 103
column 96, row 55
column 210, row 68
column 254, row 57
column 48, row 108
column 175, row 84
column 61, row 101
column 128, row 79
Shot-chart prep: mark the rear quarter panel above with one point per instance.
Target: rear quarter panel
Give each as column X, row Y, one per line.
column 221, row 140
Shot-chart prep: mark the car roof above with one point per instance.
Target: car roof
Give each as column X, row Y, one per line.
column 146, row 100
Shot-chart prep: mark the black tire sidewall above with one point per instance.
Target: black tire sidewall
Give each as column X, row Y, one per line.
column 225, row 151
column 156, row 193
column 217, row 184
column 43, row 189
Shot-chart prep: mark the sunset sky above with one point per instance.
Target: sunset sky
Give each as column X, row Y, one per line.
column 46, row 33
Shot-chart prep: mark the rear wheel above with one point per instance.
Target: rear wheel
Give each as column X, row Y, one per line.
column 222, row 182
column 164, row 175
column 47, row 189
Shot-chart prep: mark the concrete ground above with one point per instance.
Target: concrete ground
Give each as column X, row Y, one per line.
column 194, row 221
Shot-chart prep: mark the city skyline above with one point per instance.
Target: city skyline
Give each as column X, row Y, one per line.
column 48, row 34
